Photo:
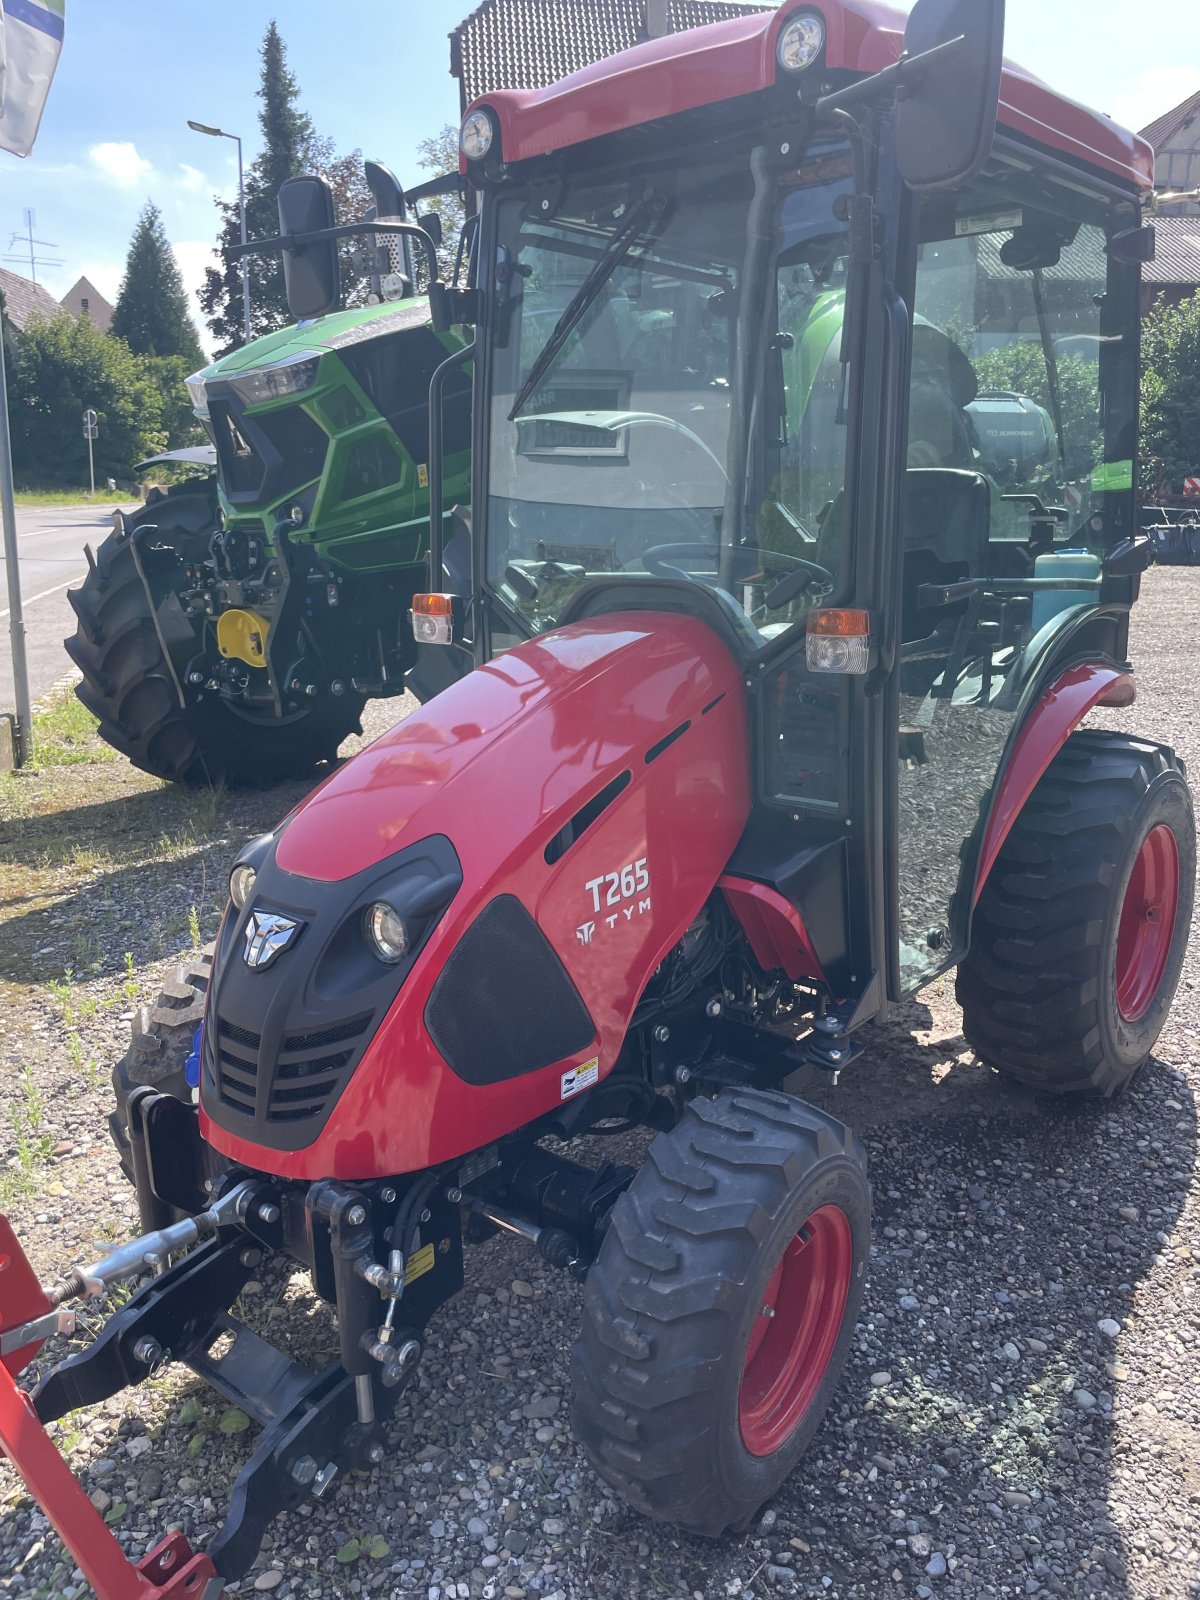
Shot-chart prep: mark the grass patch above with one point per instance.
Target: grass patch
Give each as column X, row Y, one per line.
column 33, row 498
column 64, row 733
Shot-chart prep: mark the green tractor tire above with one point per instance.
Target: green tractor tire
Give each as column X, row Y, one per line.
column 128, row 684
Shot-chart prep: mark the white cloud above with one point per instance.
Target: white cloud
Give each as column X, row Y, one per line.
column 192, row 256
column 192, row 178
column 120, row 163
column 1155, row 91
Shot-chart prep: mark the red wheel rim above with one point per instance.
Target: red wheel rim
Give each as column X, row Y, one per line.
column 795, row 1332
column 1147, row 927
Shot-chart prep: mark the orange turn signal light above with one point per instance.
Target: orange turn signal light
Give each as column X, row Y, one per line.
column 433, row 605
column 840, row 624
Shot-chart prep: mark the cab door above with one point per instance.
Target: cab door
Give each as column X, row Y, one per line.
column 1021, row 444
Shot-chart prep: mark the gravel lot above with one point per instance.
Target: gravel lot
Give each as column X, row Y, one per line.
column 1021, row 1413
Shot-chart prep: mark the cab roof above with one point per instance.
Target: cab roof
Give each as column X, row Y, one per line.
column 727, row 59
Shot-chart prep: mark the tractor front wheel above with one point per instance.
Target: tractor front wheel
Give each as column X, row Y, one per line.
column 1082, row 926
column 162, row 1037
column 719, row 1313
column 129, row 686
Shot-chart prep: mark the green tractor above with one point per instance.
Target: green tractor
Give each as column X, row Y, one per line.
column 232, row 629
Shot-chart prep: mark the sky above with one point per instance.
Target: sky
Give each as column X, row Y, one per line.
column 132, row 72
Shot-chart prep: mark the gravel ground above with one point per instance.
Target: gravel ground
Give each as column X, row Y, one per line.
column 1021, row 1412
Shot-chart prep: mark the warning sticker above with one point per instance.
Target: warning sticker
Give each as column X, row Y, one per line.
column 422, row 475
column 419, row 1263
column 580, row 1077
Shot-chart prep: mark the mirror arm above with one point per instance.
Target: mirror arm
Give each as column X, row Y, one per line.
column 437, row 385
column 347, row 230
column 449, row 183
column 896, row 76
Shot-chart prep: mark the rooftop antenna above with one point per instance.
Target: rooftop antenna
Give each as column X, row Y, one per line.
column 28, row 240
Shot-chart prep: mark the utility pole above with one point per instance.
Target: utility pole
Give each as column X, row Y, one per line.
column 12, row 572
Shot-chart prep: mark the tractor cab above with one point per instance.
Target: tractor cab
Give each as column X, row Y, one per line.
column 876, row 429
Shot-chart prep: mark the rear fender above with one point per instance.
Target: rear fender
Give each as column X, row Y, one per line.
column 1054, row 717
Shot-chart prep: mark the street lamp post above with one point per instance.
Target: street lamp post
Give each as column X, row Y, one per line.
column 219, row 133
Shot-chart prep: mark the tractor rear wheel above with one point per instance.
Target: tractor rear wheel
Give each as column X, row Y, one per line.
column 161, row 1040
column 719, row 1313
column 128, row 685
column 1081, row 930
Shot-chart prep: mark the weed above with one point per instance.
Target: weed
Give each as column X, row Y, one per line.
column 62, row 992
column 27, row 1116
column 194, row 928
column 131, row 988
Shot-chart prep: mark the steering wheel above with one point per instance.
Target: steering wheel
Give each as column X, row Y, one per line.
column 660, row 558
column 658, row 562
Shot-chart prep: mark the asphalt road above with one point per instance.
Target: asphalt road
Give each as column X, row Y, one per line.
column 51, row 542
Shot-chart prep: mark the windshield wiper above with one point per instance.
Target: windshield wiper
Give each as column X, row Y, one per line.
column 651, row 204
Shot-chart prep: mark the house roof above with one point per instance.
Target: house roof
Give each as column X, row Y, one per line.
column 1177, row 256
column 99, row 309
column 24, row 300
column 1163, row 129
column 530, row 44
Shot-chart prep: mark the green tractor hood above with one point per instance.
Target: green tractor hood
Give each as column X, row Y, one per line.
column 326, row 422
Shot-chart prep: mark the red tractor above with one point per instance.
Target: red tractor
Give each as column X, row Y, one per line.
column 767, row 652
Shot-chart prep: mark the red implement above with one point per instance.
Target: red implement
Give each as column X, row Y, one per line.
column 170, row 1571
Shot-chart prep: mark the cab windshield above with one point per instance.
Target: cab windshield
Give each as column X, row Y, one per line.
column 668, row 392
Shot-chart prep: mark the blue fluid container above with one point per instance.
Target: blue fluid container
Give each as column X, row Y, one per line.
column 1061, row 564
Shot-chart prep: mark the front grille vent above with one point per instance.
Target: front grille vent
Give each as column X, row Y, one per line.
column 299, row 1082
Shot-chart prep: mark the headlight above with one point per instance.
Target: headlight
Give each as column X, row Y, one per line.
column 387, row 932
column 198, row 393
column 241, row 885
column 800, row 43
column 272, row 383
column 478, row 133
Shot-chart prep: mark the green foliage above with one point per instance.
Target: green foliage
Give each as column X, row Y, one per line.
column 1020, row 368
column 437, row 155
column 60, row 368
column 167, row 373
column 1171, row 389
column 152, row 312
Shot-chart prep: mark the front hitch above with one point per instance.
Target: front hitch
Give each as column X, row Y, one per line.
column 314, row 1425
column 171, row 1571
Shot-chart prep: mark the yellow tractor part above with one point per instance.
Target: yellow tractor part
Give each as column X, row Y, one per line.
column 243, row 635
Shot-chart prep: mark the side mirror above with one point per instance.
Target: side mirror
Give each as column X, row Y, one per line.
column 946, row 109
column 1131, row 556
column 1134, row 244
column 432, row 224
column 311, row 273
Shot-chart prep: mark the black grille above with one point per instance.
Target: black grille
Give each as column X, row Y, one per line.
column 505, row 1004
column 299, row 1082
column 240, row 1035
column 281, row 1045
column 326, row 1036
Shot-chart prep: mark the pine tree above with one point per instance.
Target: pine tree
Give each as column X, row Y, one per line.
column 152, row 311
column 288, row 140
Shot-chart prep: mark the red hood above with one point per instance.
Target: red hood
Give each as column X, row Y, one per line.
column 620, row 685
